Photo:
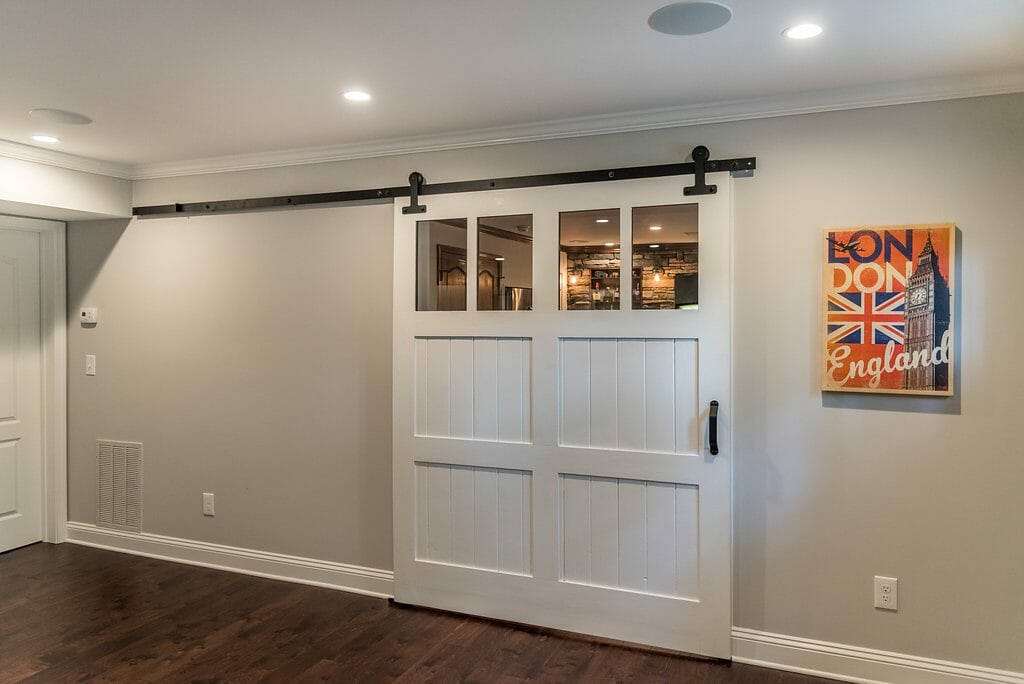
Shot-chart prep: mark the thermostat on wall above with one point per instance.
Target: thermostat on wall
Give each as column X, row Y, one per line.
column 90, row 316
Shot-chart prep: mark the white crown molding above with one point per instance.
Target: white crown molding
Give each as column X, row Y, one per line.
column 321, row 573
column 854, row 663
column 738, row 110
column 835, row 99
column 13, row 150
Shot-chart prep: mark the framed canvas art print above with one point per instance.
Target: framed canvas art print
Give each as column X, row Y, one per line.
column 888, row 309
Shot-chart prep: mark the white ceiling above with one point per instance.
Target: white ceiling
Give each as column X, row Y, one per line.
column 167, row 81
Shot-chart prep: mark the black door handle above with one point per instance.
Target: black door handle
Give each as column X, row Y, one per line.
column 713, row 428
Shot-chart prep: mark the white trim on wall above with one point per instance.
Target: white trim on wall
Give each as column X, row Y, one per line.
column 834, row 99
column 53, row 293
column 63, row 160
column 854, row 663
column 320, row 573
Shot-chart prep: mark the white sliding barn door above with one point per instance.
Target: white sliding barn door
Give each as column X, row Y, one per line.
column 552, row 467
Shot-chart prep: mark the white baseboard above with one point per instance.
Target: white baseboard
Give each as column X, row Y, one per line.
column 353, row 578
column 855, row 664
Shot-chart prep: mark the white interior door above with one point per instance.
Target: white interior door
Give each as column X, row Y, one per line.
column 20, row 390
column 552, row 466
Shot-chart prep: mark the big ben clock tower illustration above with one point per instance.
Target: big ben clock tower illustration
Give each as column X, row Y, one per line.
column 926, row 318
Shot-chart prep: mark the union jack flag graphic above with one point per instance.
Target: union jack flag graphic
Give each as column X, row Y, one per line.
column 866, row 317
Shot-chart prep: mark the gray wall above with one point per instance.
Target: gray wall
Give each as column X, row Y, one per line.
column 271, row 409
column 251, row 354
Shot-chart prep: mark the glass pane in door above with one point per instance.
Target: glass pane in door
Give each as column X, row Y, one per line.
column 588, row 259
column 505, row 263
column 665, row 257
column 441, row 265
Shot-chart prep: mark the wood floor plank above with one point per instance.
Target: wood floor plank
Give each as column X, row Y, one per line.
column 71, row 613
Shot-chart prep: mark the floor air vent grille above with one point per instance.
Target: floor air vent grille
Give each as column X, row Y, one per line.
column 119, row 482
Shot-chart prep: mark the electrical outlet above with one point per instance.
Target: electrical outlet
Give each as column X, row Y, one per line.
column 208, row 504
column 885, row 593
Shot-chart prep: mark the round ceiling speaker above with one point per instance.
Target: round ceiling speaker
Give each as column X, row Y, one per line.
column 690, row 18
column 59, row 116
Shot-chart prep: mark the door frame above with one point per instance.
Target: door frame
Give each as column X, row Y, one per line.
column 53, row 315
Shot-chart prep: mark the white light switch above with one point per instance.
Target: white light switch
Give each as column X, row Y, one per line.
column 89, row 316
column 208, row 504
column 90, row 364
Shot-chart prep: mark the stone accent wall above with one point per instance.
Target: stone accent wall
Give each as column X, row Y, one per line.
column 656, row 294
column 661, row 294
column 579, row 294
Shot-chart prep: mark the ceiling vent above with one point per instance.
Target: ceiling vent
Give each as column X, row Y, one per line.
column 119, row 485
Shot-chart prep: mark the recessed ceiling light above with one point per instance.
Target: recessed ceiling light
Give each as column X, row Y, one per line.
column 655, row 227
column 689, row 18
column 609, row 244
column 59, row 116
column 655, row 246
column 356, row 96
column 802, row 31
column 40, row 137
column 499, row 258
column 601, row 221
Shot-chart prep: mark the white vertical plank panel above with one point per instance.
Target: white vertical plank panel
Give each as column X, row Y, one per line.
column 510, row 521
column 604, row 394
column 575, row 404
column 659, row 367
column 474, row 516
column 687, row 541
column 510, row 390
column 421, row 386
column 473, row 388
column 463, row 513
column 438, row 390
column 576, row 534
column 422, row 497
column 630, row 378
column 687, row 410
column 632, row 535
column 439, row 501
column 604, row 531
column 462, row 387
column 485, row 388
column 527, row 390
column 526, row 481
column 661, row 538
column 485, row 518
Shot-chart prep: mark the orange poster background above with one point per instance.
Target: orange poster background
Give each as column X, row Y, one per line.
column 942, row 244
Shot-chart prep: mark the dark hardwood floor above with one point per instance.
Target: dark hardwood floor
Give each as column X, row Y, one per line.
column 72, row 613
